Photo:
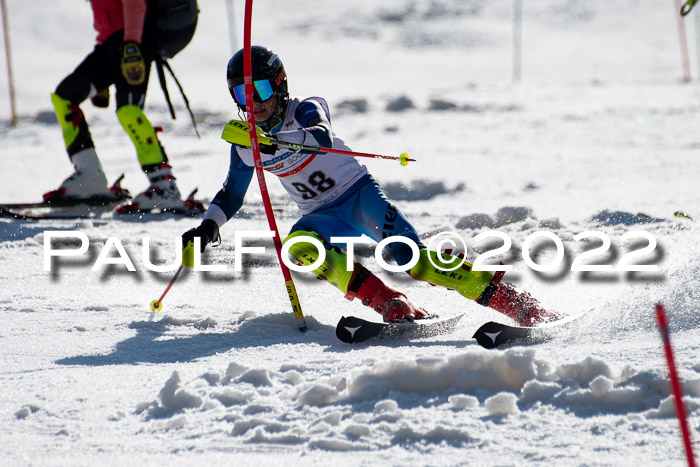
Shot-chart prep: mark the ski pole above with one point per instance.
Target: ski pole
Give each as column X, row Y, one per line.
column 236, row 132
column 675, row 384
column 403, row 158
column 157, row 305
column 187, row 260
column 253, row 142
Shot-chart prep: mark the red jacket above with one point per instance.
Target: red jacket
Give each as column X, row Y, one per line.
column 112, row 15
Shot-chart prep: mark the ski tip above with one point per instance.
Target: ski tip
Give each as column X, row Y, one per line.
column 351, row 329
column 491, row 335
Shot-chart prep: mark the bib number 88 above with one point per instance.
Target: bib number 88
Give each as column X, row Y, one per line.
column 317, row 183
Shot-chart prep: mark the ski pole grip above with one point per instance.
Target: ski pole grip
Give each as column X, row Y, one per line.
column 188, row 255
column 236, row 132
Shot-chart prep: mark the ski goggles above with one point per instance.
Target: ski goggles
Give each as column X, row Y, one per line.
column 262, row 91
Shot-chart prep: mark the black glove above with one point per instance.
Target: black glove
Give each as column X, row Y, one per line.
column 268, row 148
column 208, row 231
column 133, row 65
column 101, row 99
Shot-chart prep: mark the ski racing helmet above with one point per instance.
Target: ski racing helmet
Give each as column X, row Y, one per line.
column 269, row 82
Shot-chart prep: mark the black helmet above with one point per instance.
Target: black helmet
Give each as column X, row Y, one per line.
column 269, row 79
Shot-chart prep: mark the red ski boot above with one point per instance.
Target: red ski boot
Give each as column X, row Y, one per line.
column 390, row 303
column 522, row 307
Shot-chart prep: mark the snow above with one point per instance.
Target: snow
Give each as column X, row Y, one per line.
column 598, row 136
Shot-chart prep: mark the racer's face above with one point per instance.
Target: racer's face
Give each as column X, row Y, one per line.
column 263, row 110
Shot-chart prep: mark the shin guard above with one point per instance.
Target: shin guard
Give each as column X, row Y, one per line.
column 468, row 283
column 359, row 283
column 142, row 134
column 333, row 269
column 76, row 134
column 483, row 287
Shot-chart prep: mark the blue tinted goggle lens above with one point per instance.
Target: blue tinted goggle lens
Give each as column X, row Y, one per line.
column 263, row 91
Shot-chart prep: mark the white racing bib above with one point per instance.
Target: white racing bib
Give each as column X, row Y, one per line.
column 312, row 179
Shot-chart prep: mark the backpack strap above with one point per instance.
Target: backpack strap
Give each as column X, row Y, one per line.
column 163, row 63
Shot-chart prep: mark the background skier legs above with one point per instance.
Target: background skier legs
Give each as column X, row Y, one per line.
column 101, row 69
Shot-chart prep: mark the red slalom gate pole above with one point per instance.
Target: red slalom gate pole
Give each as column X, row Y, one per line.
column 248, row 86
column 675, row 383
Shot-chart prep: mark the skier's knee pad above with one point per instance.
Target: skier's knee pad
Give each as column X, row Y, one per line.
column 142, row 134
column 334, row 267
column 431, row 268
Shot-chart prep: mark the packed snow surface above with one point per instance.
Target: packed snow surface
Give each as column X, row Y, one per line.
column 599, row 135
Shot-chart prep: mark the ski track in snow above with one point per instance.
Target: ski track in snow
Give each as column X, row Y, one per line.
column 597, row 137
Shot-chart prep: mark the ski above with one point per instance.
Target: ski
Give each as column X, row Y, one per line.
column 55, row 199
column 101, row 213
column 93, row 208
column 492, row 334
column 48, row 215
column 95, row 201
column 351, row 329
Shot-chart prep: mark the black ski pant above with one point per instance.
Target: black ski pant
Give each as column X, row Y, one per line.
column 100, row 70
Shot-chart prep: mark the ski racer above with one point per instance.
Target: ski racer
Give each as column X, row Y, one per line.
column 338, row 198
column 122, row 57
